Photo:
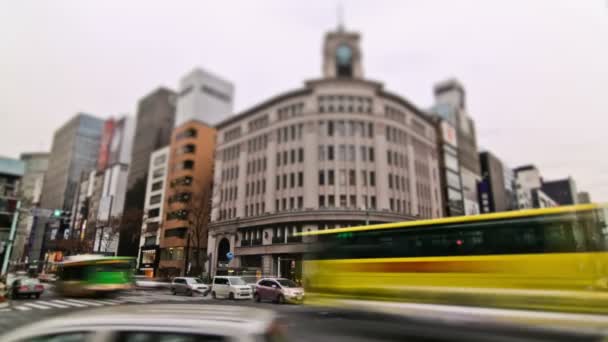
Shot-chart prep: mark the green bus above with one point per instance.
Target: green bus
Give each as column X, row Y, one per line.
column 95, row 275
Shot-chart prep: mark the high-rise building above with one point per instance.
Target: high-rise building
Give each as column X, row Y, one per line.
column 11, row 172
column 149, row 243
column 187, row 208
column 74, row 150
column 562, row 191
column 496, row 186
column 153, row 126
column 36, row 165
column 450, row 105
column 203, row 97
column 340, row 151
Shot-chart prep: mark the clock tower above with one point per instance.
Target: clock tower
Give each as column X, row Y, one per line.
column 342, row 55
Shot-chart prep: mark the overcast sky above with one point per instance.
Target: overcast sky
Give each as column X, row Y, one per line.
column 536, row 72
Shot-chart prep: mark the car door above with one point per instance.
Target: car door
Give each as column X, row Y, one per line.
column 264, row 289
column 273, row 289
column 180, row 285
column 218, row 286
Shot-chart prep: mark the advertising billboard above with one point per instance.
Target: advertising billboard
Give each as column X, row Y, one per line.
column 104, row 146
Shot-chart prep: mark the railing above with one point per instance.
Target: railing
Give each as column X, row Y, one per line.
column 245, row 243
column 278, row 239
column 256, row 242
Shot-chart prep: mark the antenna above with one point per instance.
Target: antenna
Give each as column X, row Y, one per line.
column 340, row 15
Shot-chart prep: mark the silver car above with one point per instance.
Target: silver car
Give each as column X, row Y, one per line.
column 189, row 286
column 166, row 322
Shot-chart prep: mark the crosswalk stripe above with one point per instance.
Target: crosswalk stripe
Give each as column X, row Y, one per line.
column 69, row 303
column 22, row 308
column 85, row 302
column 52, row 304
column 37, row 306
column 104, row 302
column 5, row 310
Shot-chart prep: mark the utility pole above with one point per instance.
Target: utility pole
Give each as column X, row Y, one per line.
column 11, row 239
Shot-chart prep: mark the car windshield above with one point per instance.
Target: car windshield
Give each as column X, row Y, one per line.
column 237, row 281
column 287, row 283
column 194, row 281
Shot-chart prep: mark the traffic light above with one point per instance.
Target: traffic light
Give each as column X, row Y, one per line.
column 57, row 213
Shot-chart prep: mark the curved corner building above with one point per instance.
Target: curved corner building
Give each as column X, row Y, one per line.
column 341, row 151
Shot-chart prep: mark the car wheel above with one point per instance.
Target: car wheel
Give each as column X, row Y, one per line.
column 213, row 295
column 281, row 299
column 231, row 296
column 173, row 292
column 189, row 293
column 38, row 295
column 256, row 297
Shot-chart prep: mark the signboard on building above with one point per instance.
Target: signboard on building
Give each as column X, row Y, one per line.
column 104, row 146
column 448, row 133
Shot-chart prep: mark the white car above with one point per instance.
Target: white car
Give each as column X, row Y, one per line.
column 189, row 286
column 231, row 288
column 159, row 322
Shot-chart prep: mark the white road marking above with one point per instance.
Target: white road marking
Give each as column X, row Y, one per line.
column 61, row 306
column 5, row 310
column 22, row 308
column 104, row 302
column 37, row 306
column 85, row 302
column 68, row 303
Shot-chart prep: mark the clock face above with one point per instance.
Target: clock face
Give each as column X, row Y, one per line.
column 344, row 55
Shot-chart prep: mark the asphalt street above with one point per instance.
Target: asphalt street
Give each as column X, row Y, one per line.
column 302, row 322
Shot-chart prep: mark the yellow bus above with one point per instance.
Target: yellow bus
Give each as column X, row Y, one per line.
column 548, row 259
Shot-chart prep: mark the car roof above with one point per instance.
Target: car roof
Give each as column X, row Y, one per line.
column 227, row 277
column 222, row 320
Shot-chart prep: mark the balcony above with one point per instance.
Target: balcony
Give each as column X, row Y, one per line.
column 278, row 239
column 256, row 242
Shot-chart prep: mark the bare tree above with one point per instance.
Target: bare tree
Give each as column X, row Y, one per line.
column 196, row 203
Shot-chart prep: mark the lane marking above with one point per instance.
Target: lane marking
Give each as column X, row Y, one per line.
column 61, row 306
column 69, row 303
column 22, row 308
column 37, row 306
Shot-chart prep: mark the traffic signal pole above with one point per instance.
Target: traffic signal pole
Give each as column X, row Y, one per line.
column 11, row 239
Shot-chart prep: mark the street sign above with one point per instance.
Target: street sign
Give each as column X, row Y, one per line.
column 229, row 255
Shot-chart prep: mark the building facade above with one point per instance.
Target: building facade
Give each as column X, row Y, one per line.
column 340, row 151
column 562, row 191
column 450, row 96
column 584, row 197
column 74, row 150
column 36, row 165
column 187, row 203
column 149, row 243
column 11, row 172
column 153, row 125
column 528, row 185
column 496, row 185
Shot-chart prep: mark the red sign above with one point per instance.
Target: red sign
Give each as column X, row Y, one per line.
column 104, row 146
